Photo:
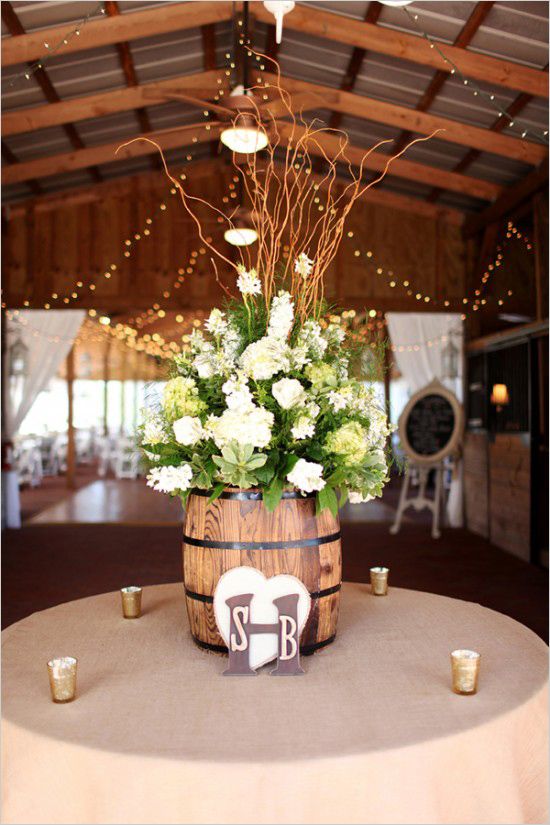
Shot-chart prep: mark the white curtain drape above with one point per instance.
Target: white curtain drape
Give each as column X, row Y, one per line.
column 45, row 336
column 419, row 340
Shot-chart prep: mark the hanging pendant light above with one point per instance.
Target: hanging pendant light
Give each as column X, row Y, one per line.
column 243, row 135
column 278, row 9
column 242, row 233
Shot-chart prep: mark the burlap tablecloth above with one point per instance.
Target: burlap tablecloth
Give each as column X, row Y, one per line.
column 371, row 733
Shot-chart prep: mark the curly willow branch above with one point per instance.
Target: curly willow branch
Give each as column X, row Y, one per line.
column 291, row 212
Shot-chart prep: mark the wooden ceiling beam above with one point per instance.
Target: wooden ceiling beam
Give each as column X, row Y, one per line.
column 402, row 168
column 12, row 22
column 171, row 17
column 411, row 47
column 508, row 200
column 339, row 101
column 108, row 103
column 423, row 123
column 472, row 24
column 83, row 158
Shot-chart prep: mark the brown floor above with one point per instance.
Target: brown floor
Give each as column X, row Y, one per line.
column 45, row 565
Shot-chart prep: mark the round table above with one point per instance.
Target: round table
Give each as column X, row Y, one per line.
column 371, row 733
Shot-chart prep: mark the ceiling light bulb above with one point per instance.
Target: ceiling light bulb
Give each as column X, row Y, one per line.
column 244, row 139
column 243, row 236
column 278, row 9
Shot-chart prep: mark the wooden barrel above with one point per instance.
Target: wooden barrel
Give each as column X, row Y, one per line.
column 236, row 530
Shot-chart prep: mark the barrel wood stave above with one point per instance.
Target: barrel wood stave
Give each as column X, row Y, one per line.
column 228, row 521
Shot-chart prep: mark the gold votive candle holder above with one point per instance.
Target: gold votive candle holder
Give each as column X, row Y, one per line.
column 62, row 673
column 131, row 602
column 465, row 671
column 379, row 580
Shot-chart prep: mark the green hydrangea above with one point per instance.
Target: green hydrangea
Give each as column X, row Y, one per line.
column 322, row 375
column 181, row 397
column 349, row 441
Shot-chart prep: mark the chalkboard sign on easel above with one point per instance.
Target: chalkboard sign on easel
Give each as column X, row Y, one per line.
column 430, row 427
column 430, row 430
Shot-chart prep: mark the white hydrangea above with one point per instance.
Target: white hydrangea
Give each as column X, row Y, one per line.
column 216, row 323
column 288, row 392
column 281, row 316
column 238, row 395
column 307, row 476
column 170, row 479
column 153, row 428
column 304, row 427
column 188, row 430
column 265, row 358
column 252, row 426
column 303, row 265
column 358, row 498
column 248, row 282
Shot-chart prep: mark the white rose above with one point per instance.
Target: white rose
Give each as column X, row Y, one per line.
column 307, row 476
column 288, row 392
column 204, row 366
column 357, row 498
column 188, row 430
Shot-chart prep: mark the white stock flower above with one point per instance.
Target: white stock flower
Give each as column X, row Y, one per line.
column 311, row 336
column 358, row 498
column 313, row 409
column 340, row 399
column 197, row 342
column 303, row 265
column 231, row 341
column 303, row 427
column 252, row 426
column 248, row 282
column 281, row 316
column 153, row 429
column 170, row 479
column 216, row 323
column 188, row 430
column 307, row 476
column 265, row 358
column 288, row 392
column 334, row 334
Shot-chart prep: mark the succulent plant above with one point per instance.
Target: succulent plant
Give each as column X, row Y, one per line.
column 237, row 464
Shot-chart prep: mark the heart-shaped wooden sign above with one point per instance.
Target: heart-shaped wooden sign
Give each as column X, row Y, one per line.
column 241, row 580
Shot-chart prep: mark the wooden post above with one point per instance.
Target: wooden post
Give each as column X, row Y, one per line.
column 106, row 388
column 123, row 358
column 71, row 446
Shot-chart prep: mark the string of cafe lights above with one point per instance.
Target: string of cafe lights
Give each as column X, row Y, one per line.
column 51, row 50
column 477, row 301
column 488, row 97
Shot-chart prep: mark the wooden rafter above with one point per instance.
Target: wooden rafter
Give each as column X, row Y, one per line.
column 106, row 103
column 410, row 47
column 17, row 31
column 508, row 200
column 513, row 110
column 419, row 122
column 127, row 65
column 342, row 102
column 472, row 24
column 108, row 31
column 180, row 16
column 11, row 158
column 83, row 158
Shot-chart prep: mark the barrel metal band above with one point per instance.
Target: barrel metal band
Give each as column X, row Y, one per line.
column 305, row 650
column 318, row 594
column 250, row 495
column 262, row 545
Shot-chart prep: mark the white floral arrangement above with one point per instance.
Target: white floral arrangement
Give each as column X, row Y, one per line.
column 265, row 400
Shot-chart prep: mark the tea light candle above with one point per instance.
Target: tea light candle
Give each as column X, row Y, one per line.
column 465, row 671
column 62, row 673
column 379, row 580
column 131, row 602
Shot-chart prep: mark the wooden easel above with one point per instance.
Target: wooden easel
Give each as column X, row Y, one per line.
column 421, row 501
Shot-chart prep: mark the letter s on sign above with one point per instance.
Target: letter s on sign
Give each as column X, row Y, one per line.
column 243, row 643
